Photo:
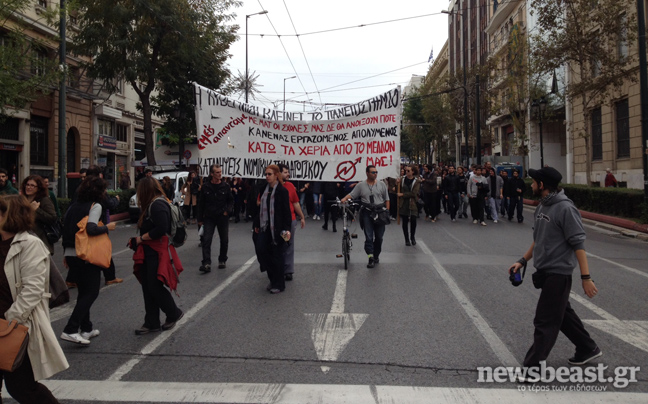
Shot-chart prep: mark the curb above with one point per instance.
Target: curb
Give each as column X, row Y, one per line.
column 625, row 227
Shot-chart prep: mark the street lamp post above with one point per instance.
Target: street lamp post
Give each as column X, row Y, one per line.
column 458, row 144
column 463, row 67
column 539, row 107
column 287, row 78
column 247, row 76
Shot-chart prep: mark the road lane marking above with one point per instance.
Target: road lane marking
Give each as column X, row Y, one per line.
column 339, row 296
column 498, row 347
column 276, row 393
column 165, row 335
column 627, row 268
column 630, row 331
column 332, row 332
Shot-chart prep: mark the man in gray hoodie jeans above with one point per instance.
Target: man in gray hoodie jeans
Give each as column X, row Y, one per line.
column 558, row 243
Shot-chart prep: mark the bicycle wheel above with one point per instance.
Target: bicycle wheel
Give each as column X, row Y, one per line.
column 345, row 251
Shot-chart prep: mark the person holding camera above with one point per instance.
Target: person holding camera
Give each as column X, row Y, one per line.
column 558, row 244
column 374, row 196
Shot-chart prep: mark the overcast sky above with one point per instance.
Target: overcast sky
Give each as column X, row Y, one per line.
column 343, row 66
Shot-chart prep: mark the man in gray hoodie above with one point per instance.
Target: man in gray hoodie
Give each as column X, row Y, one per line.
column 558, row 244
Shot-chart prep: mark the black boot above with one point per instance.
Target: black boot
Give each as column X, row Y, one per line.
column 334, row 228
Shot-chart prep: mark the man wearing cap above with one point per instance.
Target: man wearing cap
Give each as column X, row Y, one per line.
column 558, row 244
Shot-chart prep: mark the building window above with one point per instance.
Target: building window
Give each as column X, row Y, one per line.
column 597, row 135
column 73, row 77
column 38, row 150
column 119, row 86
column 43, row 3
column 121, row 133
column 39, row 62
column 622, row 41
column 105, row 127
column 140, row 145
column 622, row 128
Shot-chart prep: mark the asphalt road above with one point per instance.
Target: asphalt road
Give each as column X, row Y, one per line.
column 414, row 329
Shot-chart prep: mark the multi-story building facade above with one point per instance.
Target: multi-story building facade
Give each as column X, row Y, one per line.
column 614, row 130
column 468, row 46
column 29, row 137
column 102, row 129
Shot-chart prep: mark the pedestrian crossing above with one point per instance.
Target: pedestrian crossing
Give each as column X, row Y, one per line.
column 87, row 391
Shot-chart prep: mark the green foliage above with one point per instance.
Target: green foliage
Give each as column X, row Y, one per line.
column 124, row 197
column 621, row 202
column 25, row 71
column 64, row 204
column 644, row 213
column 585, row 36
column 161, row 45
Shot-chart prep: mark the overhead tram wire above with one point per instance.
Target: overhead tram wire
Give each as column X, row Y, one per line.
column 372, row 23
column 303, row 53
column 285, row 50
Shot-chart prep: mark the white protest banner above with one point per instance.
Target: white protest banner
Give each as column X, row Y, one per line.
column 331, row 145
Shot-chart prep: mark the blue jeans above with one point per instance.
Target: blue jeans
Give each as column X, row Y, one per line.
column 317, row 205
column 373, row 234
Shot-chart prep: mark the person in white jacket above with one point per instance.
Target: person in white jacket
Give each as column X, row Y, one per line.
column 24, row 296
column 478, row 193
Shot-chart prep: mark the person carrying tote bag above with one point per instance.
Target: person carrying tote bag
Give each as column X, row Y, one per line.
column 24, row 297
column 83, row 269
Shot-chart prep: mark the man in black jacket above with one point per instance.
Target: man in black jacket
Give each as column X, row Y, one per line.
column 215, row 202
column 515, row 192
column 451, row 185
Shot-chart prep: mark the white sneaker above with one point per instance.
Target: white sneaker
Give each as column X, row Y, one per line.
column 75, row 338
column 475, row 221
column 91, row 334
column 454, row 220
column 483, row 223
column 494, row 221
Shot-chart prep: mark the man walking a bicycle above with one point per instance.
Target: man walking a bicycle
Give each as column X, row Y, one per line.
column 375, row 199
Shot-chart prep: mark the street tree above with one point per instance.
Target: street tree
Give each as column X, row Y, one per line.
column 437, row 113
column 591, row 40
column 155, row 46
column 27, row 72
column 416, row 129
column 514, row 83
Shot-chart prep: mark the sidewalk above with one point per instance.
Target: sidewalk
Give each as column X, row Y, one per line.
column 624, row 226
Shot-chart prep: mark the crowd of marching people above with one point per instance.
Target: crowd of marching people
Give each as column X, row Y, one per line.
column 274, row 206
column 31, row 283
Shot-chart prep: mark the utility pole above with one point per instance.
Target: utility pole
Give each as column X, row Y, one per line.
column 62, row 152
column 477, row 123
column 643, row 85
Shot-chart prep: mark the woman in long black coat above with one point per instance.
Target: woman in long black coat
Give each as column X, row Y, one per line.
column 272, row 228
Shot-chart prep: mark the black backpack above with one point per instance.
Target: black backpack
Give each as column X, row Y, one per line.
column 178, row 234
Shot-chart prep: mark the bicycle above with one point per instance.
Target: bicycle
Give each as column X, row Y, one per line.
column 345, row 210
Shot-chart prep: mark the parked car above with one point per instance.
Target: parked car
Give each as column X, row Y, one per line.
column 178, row 178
